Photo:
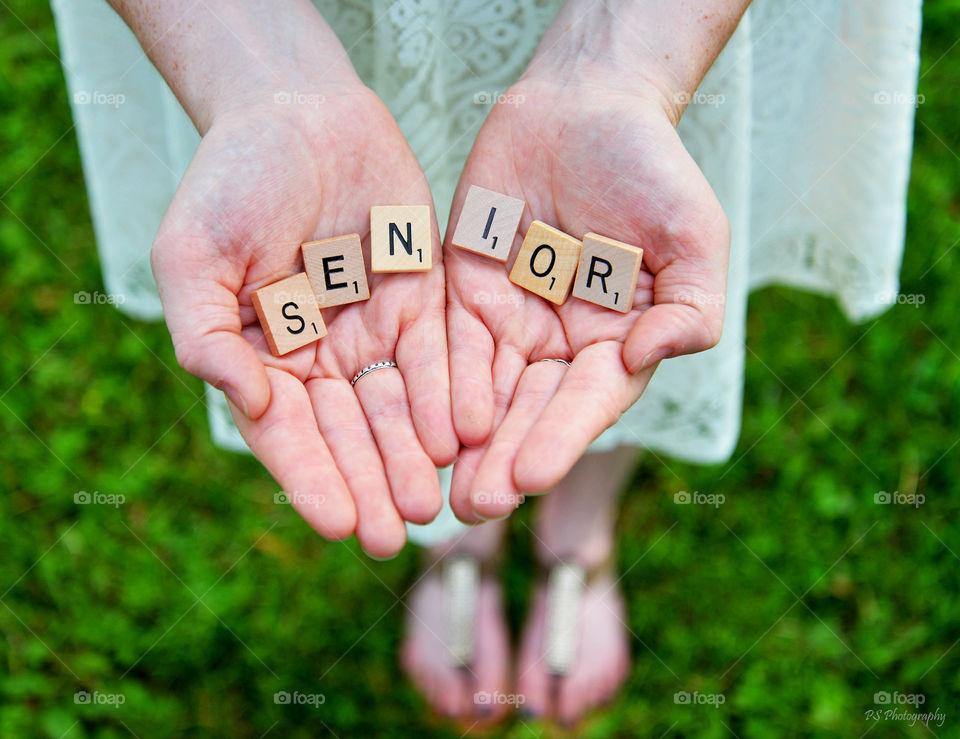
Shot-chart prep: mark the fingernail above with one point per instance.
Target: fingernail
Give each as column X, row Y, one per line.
column 236, row 398
column 485, row 519
column 381, row 559
column 653, row 357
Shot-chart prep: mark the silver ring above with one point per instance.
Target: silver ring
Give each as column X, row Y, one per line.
column 562, row 361
column 372, row 368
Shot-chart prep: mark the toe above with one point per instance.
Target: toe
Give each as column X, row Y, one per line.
column 573, row 697
column 532, row 682
column 423, row 655
column 492, row 654
column 450, row 695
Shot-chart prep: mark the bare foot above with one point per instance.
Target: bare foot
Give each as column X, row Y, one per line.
column 602, row 658
column 575, row 524
column 427, row 656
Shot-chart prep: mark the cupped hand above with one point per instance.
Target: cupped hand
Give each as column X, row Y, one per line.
column 584, row 158
column 265, row 179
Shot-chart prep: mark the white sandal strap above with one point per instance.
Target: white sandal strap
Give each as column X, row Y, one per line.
column 461, row 584
column 565, row 586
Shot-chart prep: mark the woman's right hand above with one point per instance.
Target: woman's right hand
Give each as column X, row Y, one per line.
column 295, row 167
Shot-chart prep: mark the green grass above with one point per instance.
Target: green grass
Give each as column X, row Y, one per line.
column 199, row 598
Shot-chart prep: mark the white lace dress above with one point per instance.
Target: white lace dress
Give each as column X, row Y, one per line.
column 803, row 127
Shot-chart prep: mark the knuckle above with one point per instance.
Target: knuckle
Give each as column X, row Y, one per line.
column 389, row 409
column 502, row 398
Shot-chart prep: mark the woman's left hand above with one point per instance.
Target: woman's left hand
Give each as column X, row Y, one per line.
column 584, row 158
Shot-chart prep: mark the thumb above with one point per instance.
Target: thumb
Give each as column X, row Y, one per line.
column 203, row 316
column 687, row 317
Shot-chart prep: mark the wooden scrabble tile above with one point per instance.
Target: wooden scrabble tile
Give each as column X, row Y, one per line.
column 607, row 274
column 546, row 262
column 335, row 270
column 288, row 314
column 400, row 238
column 488, row 223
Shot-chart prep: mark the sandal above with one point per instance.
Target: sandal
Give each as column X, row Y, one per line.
column 460, row 574
column 566, row 584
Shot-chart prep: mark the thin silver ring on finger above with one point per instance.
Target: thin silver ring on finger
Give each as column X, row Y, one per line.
column 550, row 359
column 385, row 364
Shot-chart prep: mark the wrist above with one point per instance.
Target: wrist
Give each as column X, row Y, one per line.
column 646, row 49
column 221, row 57
column 265, row 73
column 293, row 94
column 590, row 81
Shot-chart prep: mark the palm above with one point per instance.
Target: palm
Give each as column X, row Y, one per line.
column 349, row 458
column 592, row 161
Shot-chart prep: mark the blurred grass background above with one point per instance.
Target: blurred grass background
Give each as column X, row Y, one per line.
column 199, row 598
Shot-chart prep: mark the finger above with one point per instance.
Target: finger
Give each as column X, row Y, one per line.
column 687, row 316
column 508, row 365
column 414, row 484
column 286, row 440
column 380, row 530
column 464, row 471
column 670, row 330
column 594, row 392
column 203, row 317
column 471, row 375
column 423, row 363
column 494, row 493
